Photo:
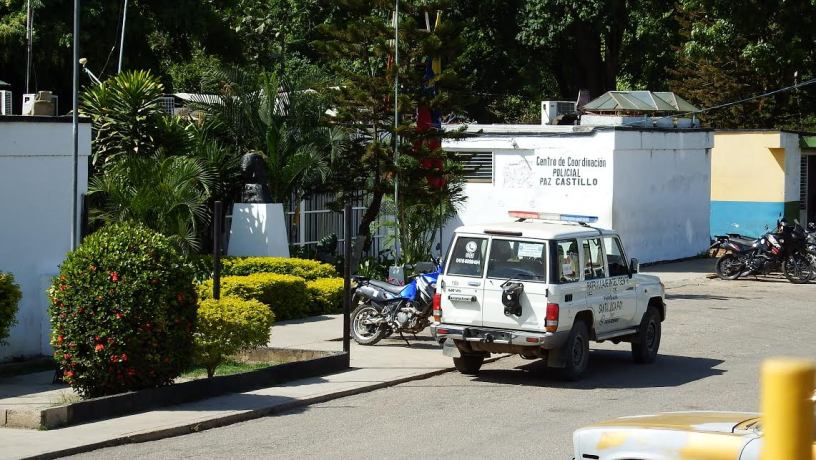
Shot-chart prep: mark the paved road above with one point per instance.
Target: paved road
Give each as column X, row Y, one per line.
column 714, row 339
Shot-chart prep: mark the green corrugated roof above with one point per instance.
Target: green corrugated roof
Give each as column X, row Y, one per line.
column 2, row 83
column 807, row 142
column 639, row 101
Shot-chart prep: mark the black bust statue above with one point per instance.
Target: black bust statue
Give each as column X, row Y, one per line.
column 253, row 171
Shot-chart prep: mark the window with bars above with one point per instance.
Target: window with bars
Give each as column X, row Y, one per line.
column 477, row 166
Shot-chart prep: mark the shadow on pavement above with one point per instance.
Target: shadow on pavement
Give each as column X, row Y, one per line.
column 610, row 369
column 702, row 297
column 310, row 319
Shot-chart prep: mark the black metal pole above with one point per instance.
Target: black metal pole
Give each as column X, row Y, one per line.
column 347, row 278
column 217, row 213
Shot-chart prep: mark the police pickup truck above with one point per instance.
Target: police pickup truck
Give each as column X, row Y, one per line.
column 543, row 287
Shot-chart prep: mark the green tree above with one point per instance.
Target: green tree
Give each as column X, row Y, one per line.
column 736, row 50
column 357, row 45
column 588, row 43
column 283, row 118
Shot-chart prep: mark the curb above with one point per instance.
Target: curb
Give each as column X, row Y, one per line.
column 237, row 418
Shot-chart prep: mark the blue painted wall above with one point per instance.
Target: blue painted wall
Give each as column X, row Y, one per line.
column 746, row 217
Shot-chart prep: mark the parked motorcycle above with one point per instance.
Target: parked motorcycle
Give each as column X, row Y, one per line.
column 810, row 242
column 783, row 249
column 383, row 308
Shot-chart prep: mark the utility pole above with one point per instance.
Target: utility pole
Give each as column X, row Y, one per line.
column 396, row 125
column 30, row 40
column 122, row 38
column 75, row 126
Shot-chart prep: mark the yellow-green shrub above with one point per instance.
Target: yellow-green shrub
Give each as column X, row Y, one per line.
column 325, row 295
column 229, row 325
column 285, row 294
column 304, row 268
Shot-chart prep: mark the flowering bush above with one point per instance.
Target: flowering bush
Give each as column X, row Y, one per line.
column 284, row 294
column 122, row 312
column 9, row 297
column 227, row 326
column 325, row 295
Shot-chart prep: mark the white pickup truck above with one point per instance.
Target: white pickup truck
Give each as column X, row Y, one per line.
column 543, row 287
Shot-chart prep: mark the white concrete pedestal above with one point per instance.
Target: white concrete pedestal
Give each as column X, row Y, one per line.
column 258, row 229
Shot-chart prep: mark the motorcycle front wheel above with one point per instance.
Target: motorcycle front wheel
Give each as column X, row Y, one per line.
column 365, row 327
column 728, row 267
column 797, row 269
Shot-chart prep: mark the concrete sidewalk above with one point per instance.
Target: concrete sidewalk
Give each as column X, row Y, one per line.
column 390, row 362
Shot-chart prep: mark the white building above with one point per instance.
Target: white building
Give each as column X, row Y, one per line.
column 652, row 185
column 36, row 165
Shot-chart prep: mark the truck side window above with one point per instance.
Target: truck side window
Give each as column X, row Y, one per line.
column 615, row 258
column 467, row 257
column 593, row 259
column 568, row 261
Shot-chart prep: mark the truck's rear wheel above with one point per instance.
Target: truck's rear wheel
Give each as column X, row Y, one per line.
column 644, row 349
column 469, row 364
column 577, row 352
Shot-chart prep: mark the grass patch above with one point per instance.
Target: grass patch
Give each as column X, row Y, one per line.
column 228, row 367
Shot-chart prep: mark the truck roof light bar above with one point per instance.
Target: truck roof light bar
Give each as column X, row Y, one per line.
column 553, row 216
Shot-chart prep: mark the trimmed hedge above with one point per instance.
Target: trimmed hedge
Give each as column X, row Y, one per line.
column 285, row 294
column 304, row 268
column 9, row 298
column 122, row 311
column 325, row 296
column 229, row 325
column 307, row 269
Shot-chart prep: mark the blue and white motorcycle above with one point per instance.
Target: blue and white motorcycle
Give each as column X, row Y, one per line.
column 383, row 308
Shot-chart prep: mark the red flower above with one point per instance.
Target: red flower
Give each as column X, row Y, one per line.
column 67, row 356
column 99, row 347
column 124, row 357
column 110, row 340
column 119, row 315
column 114, row 359
column 60, row 339
column 62, row 287
column 114, row 277
column 97, row 338
column 68, row 374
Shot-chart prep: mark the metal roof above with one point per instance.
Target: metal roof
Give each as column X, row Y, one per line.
column 639, row 101
column 2, row 83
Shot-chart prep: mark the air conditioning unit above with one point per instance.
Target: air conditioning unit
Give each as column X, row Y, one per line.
column 5, row 102
column 42, row 103
column 550, row 110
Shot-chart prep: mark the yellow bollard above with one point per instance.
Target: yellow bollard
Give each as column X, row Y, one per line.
column 787, row 409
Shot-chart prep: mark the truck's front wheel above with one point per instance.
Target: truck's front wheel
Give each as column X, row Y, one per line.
column 469, row 364
column 577, row 352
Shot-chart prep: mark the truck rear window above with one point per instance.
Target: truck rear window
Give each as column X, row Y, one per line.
column 521, row 260
column 467, row 257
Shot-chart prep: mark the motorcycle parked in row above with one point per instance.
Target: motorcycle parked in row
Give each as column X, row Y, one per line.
column 783, row 249
column 383, row 308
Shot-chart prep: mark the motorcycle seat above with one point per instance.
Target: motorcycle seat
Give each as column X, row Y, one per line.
column 388, row 287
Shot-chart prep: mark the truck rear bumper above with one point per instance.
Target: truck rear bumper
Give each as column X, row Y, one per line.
column 499, row 338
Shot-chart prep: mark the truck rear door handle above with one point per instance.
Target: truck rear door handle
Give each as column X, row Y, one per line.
column 474, row 283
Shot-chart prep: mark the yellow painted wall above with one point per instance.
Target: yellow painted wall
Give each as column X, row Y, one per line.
column 747, row 166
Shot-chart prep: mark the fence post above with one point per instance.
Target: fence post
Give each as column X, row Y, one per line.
column 787, row 409
column 217, row 212
column 347, row 278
